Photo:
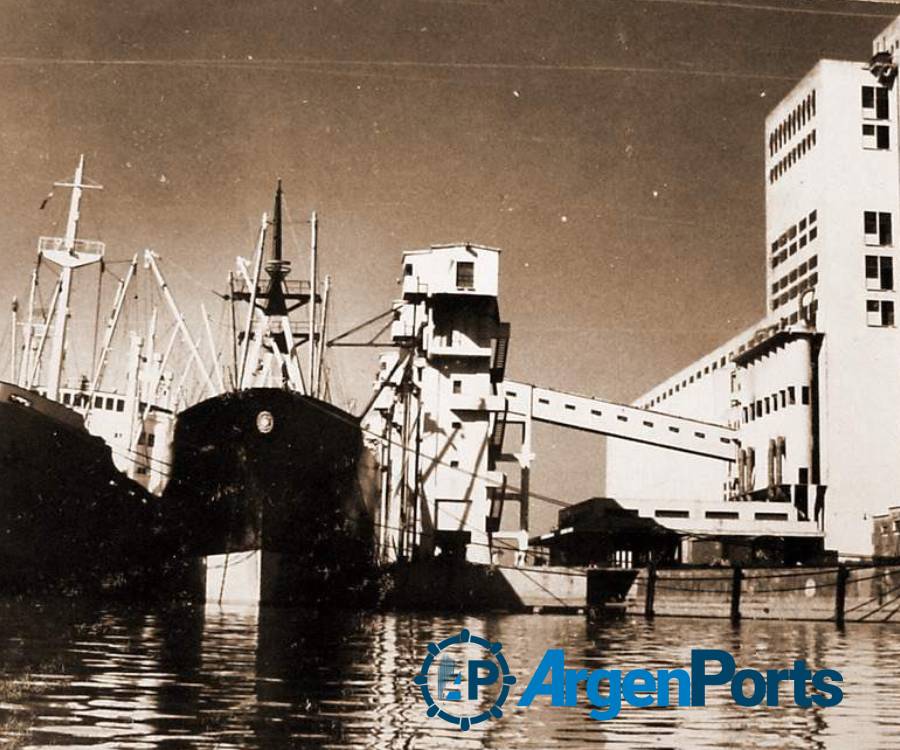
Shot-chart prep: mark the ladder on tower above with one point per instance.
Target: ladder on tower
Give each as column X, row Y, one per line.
column 501, row 351
column 498, row 433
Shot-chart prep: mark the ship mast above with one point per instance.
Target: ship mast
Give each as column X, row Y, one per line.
column 25, row 365
column 273, row 353
column 313, row 283
column 68, row 253
column 15, row 341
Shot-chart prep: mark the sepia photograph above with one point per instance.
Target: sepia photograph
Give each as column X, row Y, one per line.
column 453, row 374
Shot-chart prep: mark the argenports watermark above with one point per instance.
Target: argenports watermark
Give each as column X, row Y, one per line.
column 472, row 680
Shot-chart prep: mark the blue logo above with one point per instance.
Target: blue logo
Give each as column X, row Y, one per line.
column 471, row 673
column 472, row 682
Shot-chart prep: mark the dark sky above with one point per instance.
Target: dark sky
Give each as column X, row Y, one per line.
column 612, row 148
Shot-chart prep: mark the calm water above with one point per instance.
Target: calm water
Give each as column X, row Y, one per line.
column 74, row 676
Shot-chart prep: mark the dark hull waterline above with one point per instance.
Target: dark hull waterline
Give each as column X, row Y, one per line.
column 271, row 470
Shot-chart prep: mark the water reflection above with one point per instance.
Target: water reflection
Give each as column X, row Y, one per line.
column 76, row 675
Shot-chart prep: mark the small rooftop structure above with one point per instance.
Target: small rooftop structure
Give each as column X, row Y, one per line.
column 600, row 532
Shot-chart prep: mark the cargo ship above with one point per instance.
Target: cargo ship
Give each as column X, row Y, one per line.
column 70, row 520
column 271, row 485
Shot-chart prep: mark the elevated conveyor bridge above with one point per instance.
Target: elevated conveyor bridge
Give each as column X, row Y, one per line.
column 526, row 402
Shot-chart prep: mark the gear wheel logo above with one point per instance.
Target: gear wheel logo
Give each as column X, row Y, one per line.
column 471, row 682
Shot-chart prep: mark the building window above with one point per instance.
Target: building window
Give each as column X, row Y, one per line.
column 457, row 386
column 456, row 425
column 877, row 228
column 465, row 275
column 879, row 273
column 877, row 137
column 879, row 313
column 408, row 269
column 120, row 405
column 67, row 398
column 875, row 102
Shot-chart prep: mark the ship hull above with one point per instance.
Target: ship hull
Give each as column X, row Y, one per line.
column 69, row 519
column 273, row 471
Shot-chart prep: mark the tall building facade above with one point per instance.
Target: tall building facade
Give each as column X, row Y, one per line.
column 814, row 388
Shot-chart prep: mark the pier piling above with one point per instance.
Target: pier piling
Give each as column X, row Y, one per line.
column 651, row 590
column 840, row 594
column 737, row 578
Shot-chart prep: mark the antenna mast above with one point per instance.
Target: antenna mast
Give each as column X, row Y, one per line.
column 68, row 253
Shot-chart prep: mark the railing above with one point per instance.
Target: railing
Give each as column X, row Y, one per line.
column 55, row 244
column 291, row 286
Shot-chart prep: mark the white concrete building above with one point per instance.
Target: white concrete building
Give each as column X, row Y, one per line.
column 440, row 403
column 814, row 387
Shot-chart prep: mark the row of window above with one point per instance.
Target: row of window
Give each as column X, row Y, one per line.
column 810, row 310
column 809, row 313
column 875, row 106
column 465, row 273
column 712, row 367
column 780, row 400
column 792, row 156
column 795, row 238
column 100, row 402
column 797, row 289
column 797, row 273
column 795, row 231
column 721, row 515
column 793, row 123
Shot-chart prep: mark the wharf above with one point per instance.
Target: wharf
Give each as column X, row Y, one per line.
column 839, row 593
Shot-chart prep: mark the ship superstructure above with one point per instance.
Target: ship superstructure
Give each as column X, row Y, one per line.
column 269, row 479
